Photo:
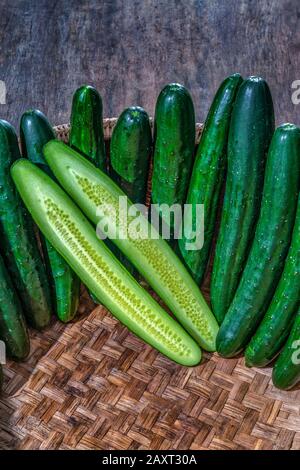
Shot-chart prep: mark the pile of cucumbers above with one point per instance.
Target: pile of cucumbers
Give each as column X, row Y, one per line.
column 243, row 172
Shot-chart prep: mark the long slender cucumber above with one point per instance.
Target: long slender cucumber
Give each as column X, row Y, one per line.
column 86, row 133
column 250, row 132
column 75, row 239
column 174, row 144
column 278, row 320
column 208, row 175
column 13, row 329
column 130, row 150
column 286, row 372
column 270, row 245
column 36, row 131
column 18, row 242
column 94, row 191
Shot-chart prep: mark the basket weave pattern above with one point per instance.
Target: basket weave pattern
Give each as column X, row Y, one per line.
column 93, row 385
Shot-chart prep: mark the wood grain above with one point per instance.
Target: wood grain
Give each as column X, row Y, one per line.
column 129, row 49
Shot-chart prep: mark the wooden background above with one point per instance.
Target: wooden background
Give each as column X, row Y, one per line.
column 129, row 49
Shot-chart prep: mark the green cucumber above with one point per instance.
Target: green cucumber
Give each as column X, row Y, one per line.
column 18, row 242
column 174, row 144
column 208, row 175
column 36, row 131
column 286, row 371
column 13, row 329
column 64, row 225
column 277, row 322
column 92, row 190
column 251, row 129
column 86, row 133
column 270, row 245
column 130, row 149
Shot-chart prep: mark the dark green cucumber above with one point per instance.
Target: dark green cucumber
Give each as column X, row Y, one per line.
column 86, row 133
column 286, row 371
column 75, row 239
column 13, row 329
column 174, row 144
column 277, row 322
column 130, row 149
column 251, row 129
column 270, row 245
column 208, row 175
column 18, row 242
column 36, row 131
column 92, row 190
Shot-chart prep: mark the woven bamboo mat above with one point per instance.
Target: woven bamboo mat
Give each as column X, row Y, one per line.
column 93, row 385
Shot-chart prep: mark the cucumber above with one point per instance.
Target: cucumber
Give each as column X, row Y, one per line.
column 174, row 144
column 277, row 322
column 86, row 133
column 130, row 149
column 270, row 245
column 36, row 131
column 250, row 132
column 208, row 175
column 286, row 371
column 75, row 239
column 18, row 242
column 91, row 189
column 13, row 329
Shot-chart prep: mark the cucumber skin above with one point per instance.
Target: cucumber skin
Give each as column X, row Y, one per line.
column 13, row 329
column 286, row 374
column 154, row 258
column 75, row 239
column 278, row 320
column 130, row 150
column 209, row 171
column 18, row 241
column 250, row 132
column 174, row 145
column 270, row 245
column 86, row 132
column 36, row 131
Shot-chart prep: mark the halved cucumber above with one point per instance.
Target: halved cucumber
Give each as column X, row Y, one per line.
column 64, row 225
column 152, row 257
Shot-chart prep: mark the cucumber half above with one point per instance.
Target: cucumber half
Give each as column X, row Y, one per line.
column 153, row 258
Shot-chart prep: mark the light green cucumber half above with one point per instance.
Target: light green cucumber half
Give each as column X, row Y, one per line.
column 67, row 229
column 91, row 189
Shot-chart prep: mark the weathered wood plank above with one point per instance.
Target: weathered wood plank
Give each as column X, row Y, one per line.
column 130, row 48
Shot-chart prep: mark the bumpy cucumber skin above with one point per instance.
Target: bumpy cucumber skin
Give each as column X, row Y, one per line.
column 13, row 329
column 130, row 150
column 174, row 144
column 278, row 320
column 250, row 132
column 36, row 131
column 86, row 133
column 153, row 258
column 75, row 239
column 270, row 245
column 286, row 371
column 208, row 174
column 18, row 242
